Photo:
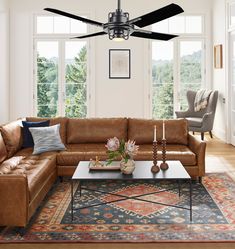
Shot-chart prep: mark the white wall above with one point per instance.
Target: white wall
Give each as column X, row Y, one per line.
column 219, row 75
column 4, row 61
column 112, row 97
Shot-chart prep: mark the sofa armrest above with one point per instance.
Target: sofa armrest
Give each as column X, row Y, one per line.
column 182, row 114
column 199, row 148
column 14, row 199
column 206, row 116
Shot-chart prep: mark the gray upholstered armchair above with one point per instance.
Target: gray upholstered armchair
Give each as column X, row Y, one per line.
column 201, row 121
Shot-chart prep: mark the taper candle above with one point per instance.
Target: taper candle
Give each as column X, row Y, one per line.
column 163, row 130
column 155, row 134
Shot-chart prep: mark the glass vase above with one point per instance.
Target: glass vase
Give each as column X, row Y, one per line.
column 127, row 167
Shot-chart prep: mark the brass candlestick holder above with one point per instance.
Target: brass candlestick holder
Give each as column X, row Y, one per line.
column 155, row 168
column 164, row 165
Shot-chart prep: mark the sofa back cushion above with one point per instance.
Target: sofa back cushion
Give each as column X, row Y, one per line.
column 12, row 136
column 3, row 150
column 95, row 130
column 53, row 121
column 141, row 130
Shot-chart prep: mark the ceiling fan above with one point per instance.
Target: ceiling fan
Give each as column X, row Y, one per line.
column 119, row 27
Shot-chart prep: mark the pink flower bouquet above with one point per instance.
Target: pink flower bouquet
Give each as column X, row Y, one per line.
column 116, row 149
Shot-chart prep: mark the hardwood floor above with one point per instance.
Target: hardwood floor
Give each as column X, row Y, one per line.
column 123, row 246
column 220, row 157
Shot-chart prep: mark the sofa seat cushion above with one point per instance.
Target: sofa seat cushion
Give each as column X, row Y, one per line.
column 95, row 130
column 80, row 152
column 29, row 151
column 44, row 166
column 195, row 122
column 141, row 130
column 36, row 168
column 174, row 152
column 3, row 150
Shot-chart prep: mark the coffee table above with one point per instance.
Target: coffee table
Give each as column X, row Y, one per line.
column 175, row 172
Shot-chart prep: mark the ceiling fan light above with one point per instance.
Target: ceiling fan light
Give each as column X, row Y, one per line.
column 118, row 39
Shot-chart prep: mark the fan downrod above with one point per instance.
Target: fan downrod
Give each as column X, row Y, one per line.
column 118, row 27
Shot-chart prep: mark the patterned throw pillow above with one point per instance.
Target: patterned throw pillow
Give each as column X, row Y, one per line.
column 46, row 139
column 27, row 136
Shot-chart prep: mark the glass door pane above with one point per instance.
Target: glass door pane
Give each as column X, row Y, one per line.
column 191, row 63
column 47, row 78
column 76, row 79
column 162, row 80
column 232, row 92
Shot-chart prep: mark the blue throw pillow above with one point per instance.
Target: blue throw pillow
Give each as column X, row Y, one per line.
column 27, row 136
column 46, row 139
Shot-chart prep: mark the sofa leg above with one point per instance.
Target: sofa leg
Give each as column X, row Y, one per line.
column 193, row 132
column 211, row 134
column 202, row 135
column 61, row 178
column 200, row 179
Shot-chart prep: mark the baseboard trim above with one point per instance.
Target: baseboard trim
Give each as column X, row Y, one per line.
column 220, row 133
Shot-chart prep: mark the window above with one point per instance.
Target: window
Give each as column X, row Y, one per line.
column 162, row 78
column 59, row 25
column 61, row 67
column 47, row 78
column 192, row 24
column 177, row 65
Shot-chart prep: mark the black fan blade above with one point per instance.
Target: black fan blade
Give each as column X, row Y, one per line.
column 157, row 15
column 59, row 12
column 90, row 35
column 153, row 35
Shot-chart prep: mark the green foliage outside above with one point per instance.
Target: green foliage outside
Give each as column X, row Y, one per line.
column 76, row 88
column 76, row 91
column 162, row 78
column 47, row 86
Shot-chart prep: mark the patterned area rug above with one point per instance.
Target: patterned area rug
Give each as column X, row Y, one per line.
column 133, row 220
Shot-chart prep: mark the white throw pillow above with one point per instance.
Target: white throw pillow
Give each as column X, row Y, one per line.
column 46, row 139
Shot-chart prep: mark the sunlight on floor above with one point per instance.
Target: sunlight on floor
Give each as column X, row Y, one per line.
column 220, row 157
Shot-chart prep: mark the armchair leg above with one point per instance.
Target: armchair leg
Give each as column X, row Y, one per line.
column 200, row 179
column 202, row 135
column 211, row 134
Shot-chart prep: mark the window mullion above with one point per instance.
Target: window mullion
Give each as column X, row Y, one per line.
column 35, row 68
column 176, row 80
column 204, row 69
column 61, row 77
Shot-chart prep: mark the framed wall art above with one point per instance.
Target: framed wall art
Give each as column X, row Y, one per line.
column 218, row 56
column 119, row 64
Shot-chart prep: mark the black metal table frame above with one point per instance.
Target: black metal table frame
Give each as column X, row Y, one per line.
column 124, row 197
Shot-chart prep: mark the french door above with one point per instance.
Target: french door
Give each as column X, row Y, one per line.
column 177, row 66
column 232, row 88
column 61, row 80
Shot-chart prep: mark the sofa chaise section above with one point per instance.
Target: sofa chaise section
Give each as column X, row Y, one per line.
column 25, row 179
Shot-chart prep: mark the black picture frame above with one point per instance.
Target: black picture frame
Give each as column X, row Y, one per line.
column 119, row 63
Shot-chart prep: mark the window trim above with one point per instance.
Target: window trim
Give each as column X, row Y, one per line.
column 60, row 35
column 192, row 34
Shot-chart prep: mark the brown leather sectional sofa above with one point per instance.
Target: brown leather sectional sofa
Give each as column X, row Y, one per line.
column 25, row 178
